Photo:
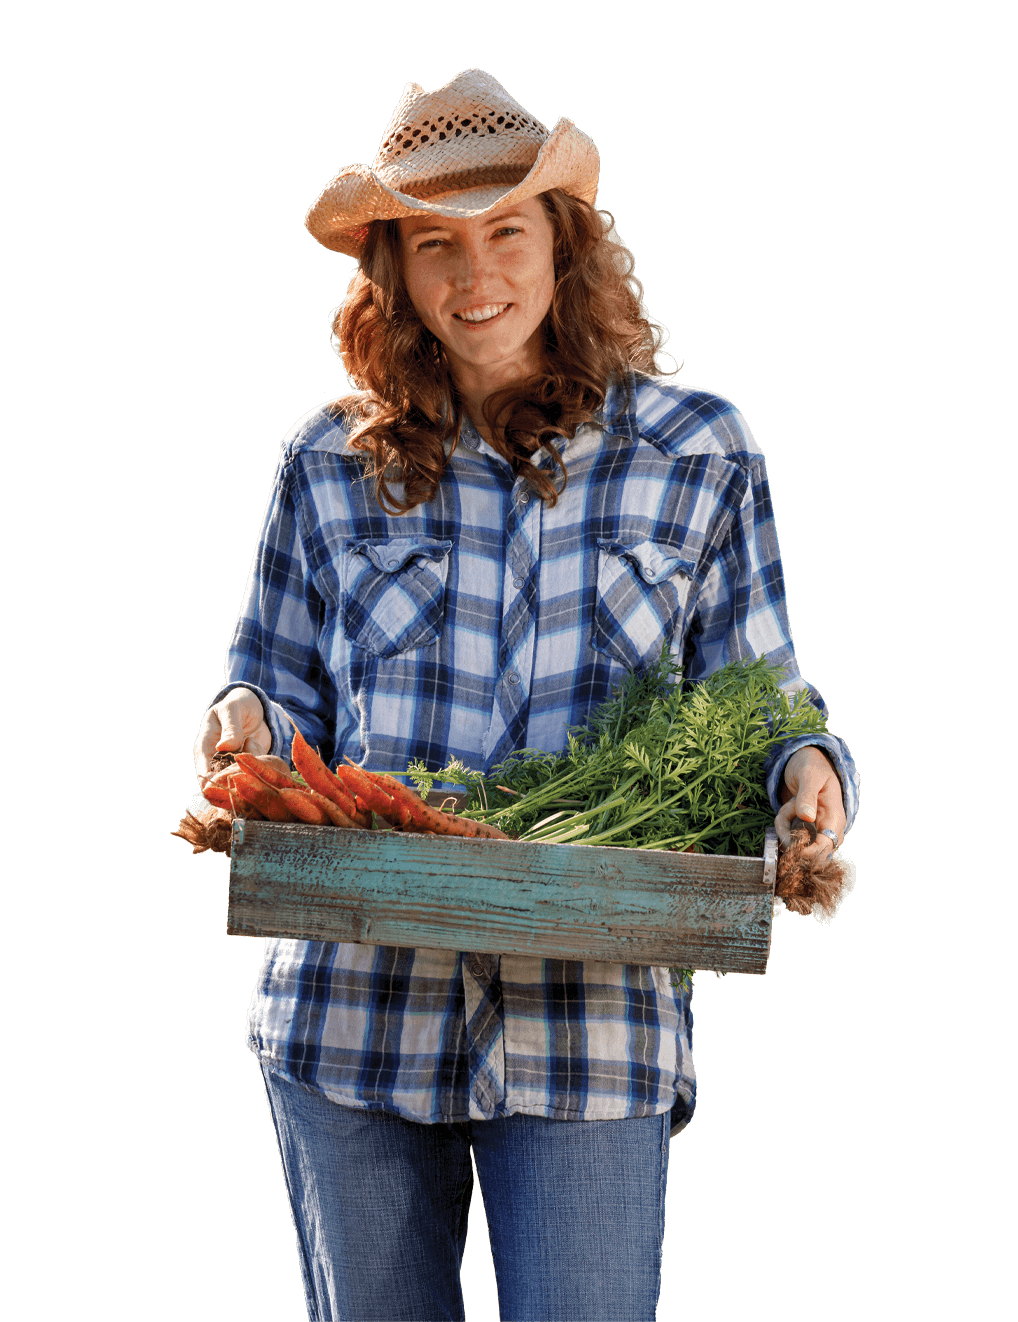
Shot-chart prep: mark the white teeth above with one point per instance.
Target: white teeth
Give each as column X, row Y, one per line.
column 481, row 314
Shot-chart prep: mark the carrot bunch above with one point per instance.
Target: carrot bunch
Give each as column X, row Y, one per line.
column 262, row 788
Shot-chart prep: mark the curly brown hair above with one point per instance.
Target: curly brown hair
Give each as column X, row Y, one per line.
column 408, row 407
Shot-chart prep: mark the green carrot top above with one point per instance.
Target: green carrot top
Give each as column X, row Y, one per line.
column 661, row 765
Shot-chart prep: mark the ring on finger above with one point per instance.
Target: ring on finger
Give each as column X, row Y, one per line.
column 825, row 830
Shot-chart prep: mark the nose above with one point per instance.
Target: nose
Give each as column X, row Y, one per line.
column 469, row 267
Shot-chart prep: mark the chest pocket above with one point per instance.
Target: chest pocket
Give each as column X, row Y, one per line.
column 642, row 593
column 394, row 592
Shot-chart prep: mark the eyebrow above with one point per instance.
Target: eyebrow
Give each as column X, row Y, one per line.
column 491, row 220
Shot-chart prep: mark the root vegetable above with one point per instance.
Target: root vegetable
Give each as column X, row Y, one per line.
column 426, row 818
column 262, row 796
column 303, row 807
column 318, row 776
column 272, row 770
column 336, row 814
column 227, row 798
column 363, row 785
column 206, row 828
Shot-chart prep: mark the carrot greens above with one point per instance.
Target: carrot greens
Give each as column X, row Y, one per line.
column 661, row 765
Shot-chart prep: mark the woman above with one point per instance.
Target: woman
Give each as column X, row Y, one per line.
column 462, row 560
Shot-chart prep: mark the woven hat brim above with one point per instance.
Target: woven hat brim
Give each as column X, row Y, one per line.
column 340, row 217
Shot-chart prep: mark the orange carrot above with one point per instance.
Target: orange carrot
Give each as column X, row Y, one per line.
column 221, row 795
column 265, row 771
column 264, row 798
column 338, row 816
column 362, row 816
column 303, row 807
column 318, row 775
column 368, row 792
column 482, row 830
column 433, row 819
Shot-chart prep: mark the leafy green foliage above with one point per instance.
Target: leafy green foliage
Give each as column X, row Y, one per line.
column 660, row 765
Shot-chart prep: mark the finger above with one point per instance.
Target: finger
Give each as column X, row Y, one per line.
column 205, row 745
column 260, row 741
column 238, row 722
column 230, row 739
column 831, row 810
column 783, row 822
column 806, row 804
column 816, row 796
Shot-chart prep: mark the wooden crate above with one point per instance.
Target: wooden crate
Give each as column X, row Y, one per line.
column 626, row 906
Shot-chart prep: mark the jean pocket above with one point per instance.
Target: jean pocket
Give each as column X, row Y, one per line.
column 642, row 594
column 394, row 592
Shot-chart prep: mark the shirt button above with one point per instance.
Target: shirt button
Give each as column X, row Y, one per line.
column 392, row 563
column 477, row 971
column 513, row 677
column 517, row 582
column 524, row 497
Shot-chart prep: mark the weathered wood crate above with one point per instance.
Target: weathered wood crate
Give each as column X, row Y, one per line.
column 626, row 906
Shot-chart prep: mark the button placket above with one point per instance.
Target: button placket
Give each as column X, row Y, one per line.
column 518, row 627
column 518, row 613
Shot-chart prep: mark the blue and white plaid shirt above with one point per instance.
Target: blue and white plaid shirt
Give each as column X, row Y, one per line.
column 480, row 623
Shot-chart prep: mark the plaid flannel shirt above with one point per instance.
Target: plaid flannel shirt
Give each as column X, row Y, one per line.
column 480, row 623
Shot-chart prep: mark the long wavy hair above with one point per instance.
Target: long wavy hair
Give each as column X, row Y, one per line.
column 408, row 409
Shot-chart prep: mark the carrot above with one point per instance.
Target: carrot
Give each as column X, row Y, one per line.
column 482, row 830
column 264, row 797
column 368, row 792
column 265, row 770
column 303, row 807
column 336, row 814
column 433, row 819
column 318, row 775
column 361, row 816
column 223, row 796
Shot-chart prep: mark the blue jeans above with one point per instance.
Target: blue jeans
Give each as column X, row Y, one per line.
column 575, row 1211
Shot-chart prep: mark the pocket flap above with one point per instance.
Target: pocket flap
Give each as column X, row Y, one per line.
column 653, row 561
column 390, row 554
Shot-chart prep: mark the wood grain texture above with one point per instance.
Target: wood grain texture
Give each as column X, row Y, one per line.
column 626, row 906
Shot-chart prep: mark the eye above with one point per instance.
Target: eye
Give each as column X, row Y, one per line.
column 507, row 229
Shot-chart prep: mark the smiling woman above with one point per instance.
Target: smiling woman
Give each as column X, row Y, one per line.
column 483, row 287
column 540, row 373
column 546, row 517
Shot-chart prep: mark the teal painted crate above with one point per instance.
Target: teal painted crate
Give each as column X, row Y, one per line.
column 626, row 906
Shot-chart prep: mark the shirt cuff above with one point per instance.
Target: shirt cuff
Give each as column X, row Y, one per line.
column 843, row 765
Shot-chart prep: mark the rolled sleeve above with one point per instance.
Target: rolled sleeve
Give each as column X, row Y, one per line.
column 274, row 651
column 741, row 614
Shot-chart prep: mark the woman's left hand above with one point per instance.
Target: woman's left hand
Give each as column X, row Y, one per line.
column 812, row 792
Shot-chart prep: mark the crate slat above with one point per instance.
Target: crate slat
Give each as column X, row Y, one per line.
column 624, row 906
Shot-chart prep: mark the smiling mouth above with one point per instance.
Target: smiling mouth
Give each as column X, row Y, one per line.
column 484, row 313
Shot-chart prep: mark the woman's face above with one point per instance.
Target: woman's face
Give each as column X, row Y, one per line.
column 483, row 287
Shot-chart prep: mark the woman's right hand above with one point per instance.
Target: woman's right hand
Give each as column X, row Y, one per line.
column 235, row 724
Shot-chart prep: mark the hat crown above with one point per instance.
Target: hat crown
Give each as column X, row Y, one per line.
column 462, row 150
column 473, row 106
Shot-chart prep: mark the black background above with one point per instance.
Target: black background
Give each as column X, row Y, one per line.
column 743, row 238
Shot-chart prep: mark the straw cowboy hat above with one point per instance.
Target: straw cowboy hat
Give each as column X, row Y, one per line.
column 461, row 151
